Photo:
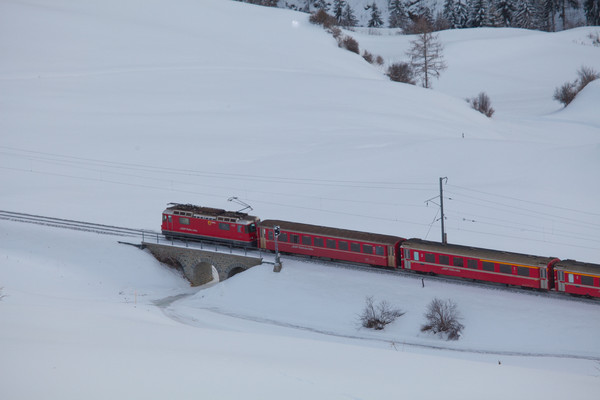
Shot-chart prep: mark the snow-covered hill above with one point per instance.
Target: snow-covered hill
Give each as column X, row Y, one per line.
column 112, row 109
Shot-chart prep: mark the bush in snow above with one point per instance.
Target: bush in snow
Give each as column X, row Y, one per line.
column 377, row 317
column 586, row 75
column 322, row 18
column 348, row 43
column 483, row 104
column 442, row 317
column 401, row 72
column 567, row 92
column 368, row 57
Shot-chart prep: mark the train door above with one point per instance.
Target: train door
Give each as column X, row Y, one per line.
column 560, row 281
column 169, row 221
column 263, row 239
column 543, row 278
column 391, row 257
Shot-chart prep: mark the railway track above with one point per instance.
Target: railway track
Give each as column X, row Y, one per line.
column 77, row 225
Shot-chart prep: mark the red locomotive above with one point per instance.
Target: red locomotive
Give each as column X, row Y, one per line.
column 193, row 222
column 239, row 229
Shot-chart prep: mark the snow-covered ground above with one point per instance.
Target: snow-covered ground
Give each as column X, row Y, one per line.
column 112, row 109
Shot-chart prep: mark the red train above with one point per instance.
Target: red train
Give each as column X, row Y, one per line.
column 240, row 229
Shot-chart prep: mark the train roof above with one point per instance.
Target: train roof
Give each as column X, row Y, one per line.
column 332, row 232
column 476, row 252
column 578, row 266
column 208, row 212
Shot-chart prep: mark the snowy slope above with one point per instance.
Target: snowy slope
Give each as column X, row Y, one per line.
column 85, row 317
column 112, row 109
column 154, row 104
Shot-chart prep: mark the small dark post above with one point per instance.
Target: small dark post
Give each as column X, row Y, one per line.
column 277, row 265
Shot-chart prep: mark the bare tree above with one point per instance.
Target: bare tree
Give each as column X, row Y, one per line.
column 377, row 317
column 426, row 53
column 443, row 317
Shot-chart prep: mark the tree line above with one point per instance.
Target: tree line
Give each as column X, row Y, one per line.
column 546, row 15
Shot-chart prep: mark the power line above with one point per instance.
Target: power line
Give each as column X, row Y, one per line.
column 525, row 201
column 42, row 156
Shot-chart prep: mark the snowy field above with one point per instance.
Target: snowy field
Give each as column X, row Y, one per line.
column 111, row 109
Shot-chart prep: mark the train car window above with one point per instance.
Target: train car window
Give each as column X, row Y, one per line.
column 331, row 244
column 184, row 221
column 294, row 238
column 561, row 276
column 457, row 261
column 307, row 240
column 252, row 228
column 472, row 264
column 505, row 269
column 367, row 249
column 587, row 280
column 379, row 250
column 342, row 245
column 355, row 247
column 240, row 228
column 430, row 257
column 487, row 266
column 523, row 271
column 571, row 278
column 444, row 260
column 223, row 226
column 270, row 235
column 282, row 237
column 416, row 256
column 319, row 242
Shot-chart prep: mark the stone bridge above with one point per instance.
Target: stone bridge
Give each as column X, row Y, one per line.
column 197, row 264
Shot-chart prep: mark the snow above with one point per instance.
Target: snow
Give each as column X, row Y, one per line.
column 112, row 109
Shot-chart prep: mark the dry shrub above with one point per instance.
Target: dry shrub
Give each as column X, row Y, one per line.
column 442, row 317
column 368, row 57
column 483, row 104
column 348, row 43
column 401, row 72
column 586, row 75
column 377, row 317
column 567, row 92
column 322, row 18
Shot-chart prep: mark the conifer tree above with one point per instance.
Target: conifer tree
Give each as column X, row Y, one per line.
column 461, row 13
column 449, row 12
column 526, row 15
column 375, row 21
column 348, row 17
column 478, row 15
column 398, row 14
column 505, row 10
column 322, row 5
column 592, row 11
column 338, row 10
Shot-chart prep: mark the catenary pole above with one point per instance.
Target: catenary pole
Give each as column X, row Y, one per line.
column 444, row 241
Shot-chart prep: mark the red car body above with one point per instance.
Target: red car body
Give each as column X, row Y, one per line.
column 331, row 243
column 193, row 222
